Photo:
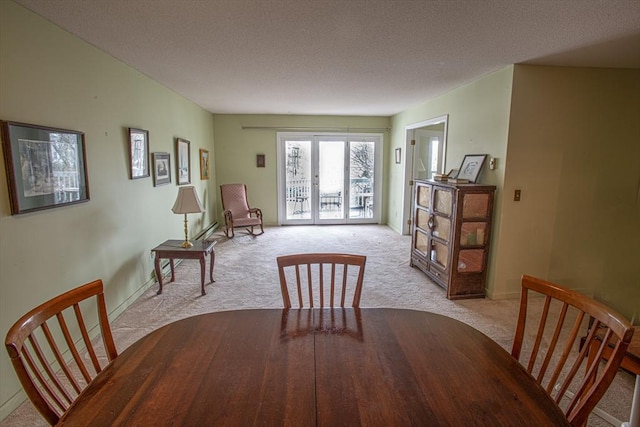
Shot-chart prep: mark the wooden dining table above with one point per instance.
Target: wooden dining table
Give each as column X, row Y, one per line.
column 315, row 367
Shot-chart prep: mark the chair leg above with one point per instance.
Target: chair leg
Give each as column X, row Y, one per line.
column 226, row 231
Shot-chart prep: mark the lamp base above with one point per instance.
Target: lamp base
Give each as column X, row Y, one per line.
column 186, row 244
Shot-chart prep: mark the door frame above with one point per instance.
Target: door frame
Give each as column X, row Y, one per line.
column 407, row 183
column 281, row 137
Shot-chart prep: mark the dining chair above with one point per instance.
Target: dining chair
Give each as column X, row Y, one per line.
column 309, row 272
column 237, row 213
column 551, row 360
column 52, row 363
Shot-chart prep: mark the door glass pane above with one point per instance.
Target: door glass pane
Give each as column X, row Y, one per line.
column 331, row 179
column 298, row 179
column 443, row 201
column 440, row 254
column 361, row 158
column 441, row 227
column 422, row 219
column 421, row 242
column 424, row 196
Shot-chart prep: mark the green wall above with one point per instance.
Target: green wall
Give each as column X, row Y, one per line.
column 574, row 151
column 568, row 138
column 49, row 77
column 477, row 124
column 236, row 150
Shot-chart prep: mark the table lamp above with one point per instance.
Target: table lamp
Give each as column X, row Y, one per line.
column 187, row 202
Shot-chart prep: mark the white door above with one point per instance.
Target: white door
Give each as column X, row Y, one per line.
column 426, row 148
column 328, row 178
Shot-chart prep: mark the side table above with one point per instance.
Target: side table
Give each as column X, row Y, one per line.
column 171, row 249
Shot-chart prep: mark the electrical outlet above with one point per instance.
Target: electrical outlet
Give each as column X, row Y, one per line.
column 516, row 196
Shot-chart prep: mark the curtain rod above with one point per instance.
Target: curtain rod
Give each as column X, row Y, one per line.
column 316, row 128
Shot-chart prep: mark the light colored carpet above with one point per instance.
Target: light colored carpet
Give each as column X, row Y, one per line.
column 246, row 277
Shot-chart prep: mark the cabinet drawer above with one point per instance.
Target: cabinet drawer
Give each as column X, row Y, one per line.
column 439, row 275
column 420, row 263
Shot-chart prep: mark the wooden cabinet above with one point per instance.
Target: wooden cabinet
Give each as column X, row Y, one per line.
column 451, row 230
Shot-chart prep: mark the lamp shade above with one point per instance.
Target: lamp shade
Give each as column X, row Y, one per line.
column 187, row 201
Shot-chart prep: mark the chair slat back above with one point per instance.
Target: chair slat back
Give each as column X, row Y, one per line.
column 555, row 356
column 321, row 279
column 234, row 199
column 52, row 363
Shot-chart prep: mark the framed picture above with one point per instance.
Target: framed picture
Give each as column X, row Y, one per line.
column 204, row 164
column 138, row 153
column 260, row 160
column 471, row 166
column 453, row 173
column 46, row 167
column 398, row 155
column 161, row 169
column 183, row 148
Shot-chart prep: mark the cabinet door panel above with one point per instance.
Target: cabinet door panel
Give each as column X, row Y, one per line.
column 422, row 219
column 443, row 201
column 424, row 196
column 421, row 243
column 470, row 260
column 441, row 228
column 440, row 254
column 475, row 206
column 473, row 233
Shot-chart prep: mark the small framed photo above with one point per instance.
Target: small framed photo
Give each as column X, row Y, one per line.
column 46, row 167
column 204, row 164
column 260, row 160
column 183, row 164
column 453, row 173
column 161, row 169
column 138, row 153
column 471, row 166
column 398, row 155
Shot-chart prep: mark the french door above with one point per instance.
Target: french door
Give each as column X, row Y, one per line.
column 329, row 178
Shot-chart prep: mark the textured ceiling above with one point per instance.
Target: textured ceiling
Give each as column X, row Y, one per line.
column 343, row 57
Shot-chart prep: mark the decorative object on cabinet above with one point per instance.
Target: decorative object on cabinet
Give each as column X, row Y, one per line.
column 184, row 161
column 451, row 230
column 187, row 202
column 46, row 167
column 161, row 169
column 458, row 180
column 471, row 167
column 138, row 153
column 204, row 164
